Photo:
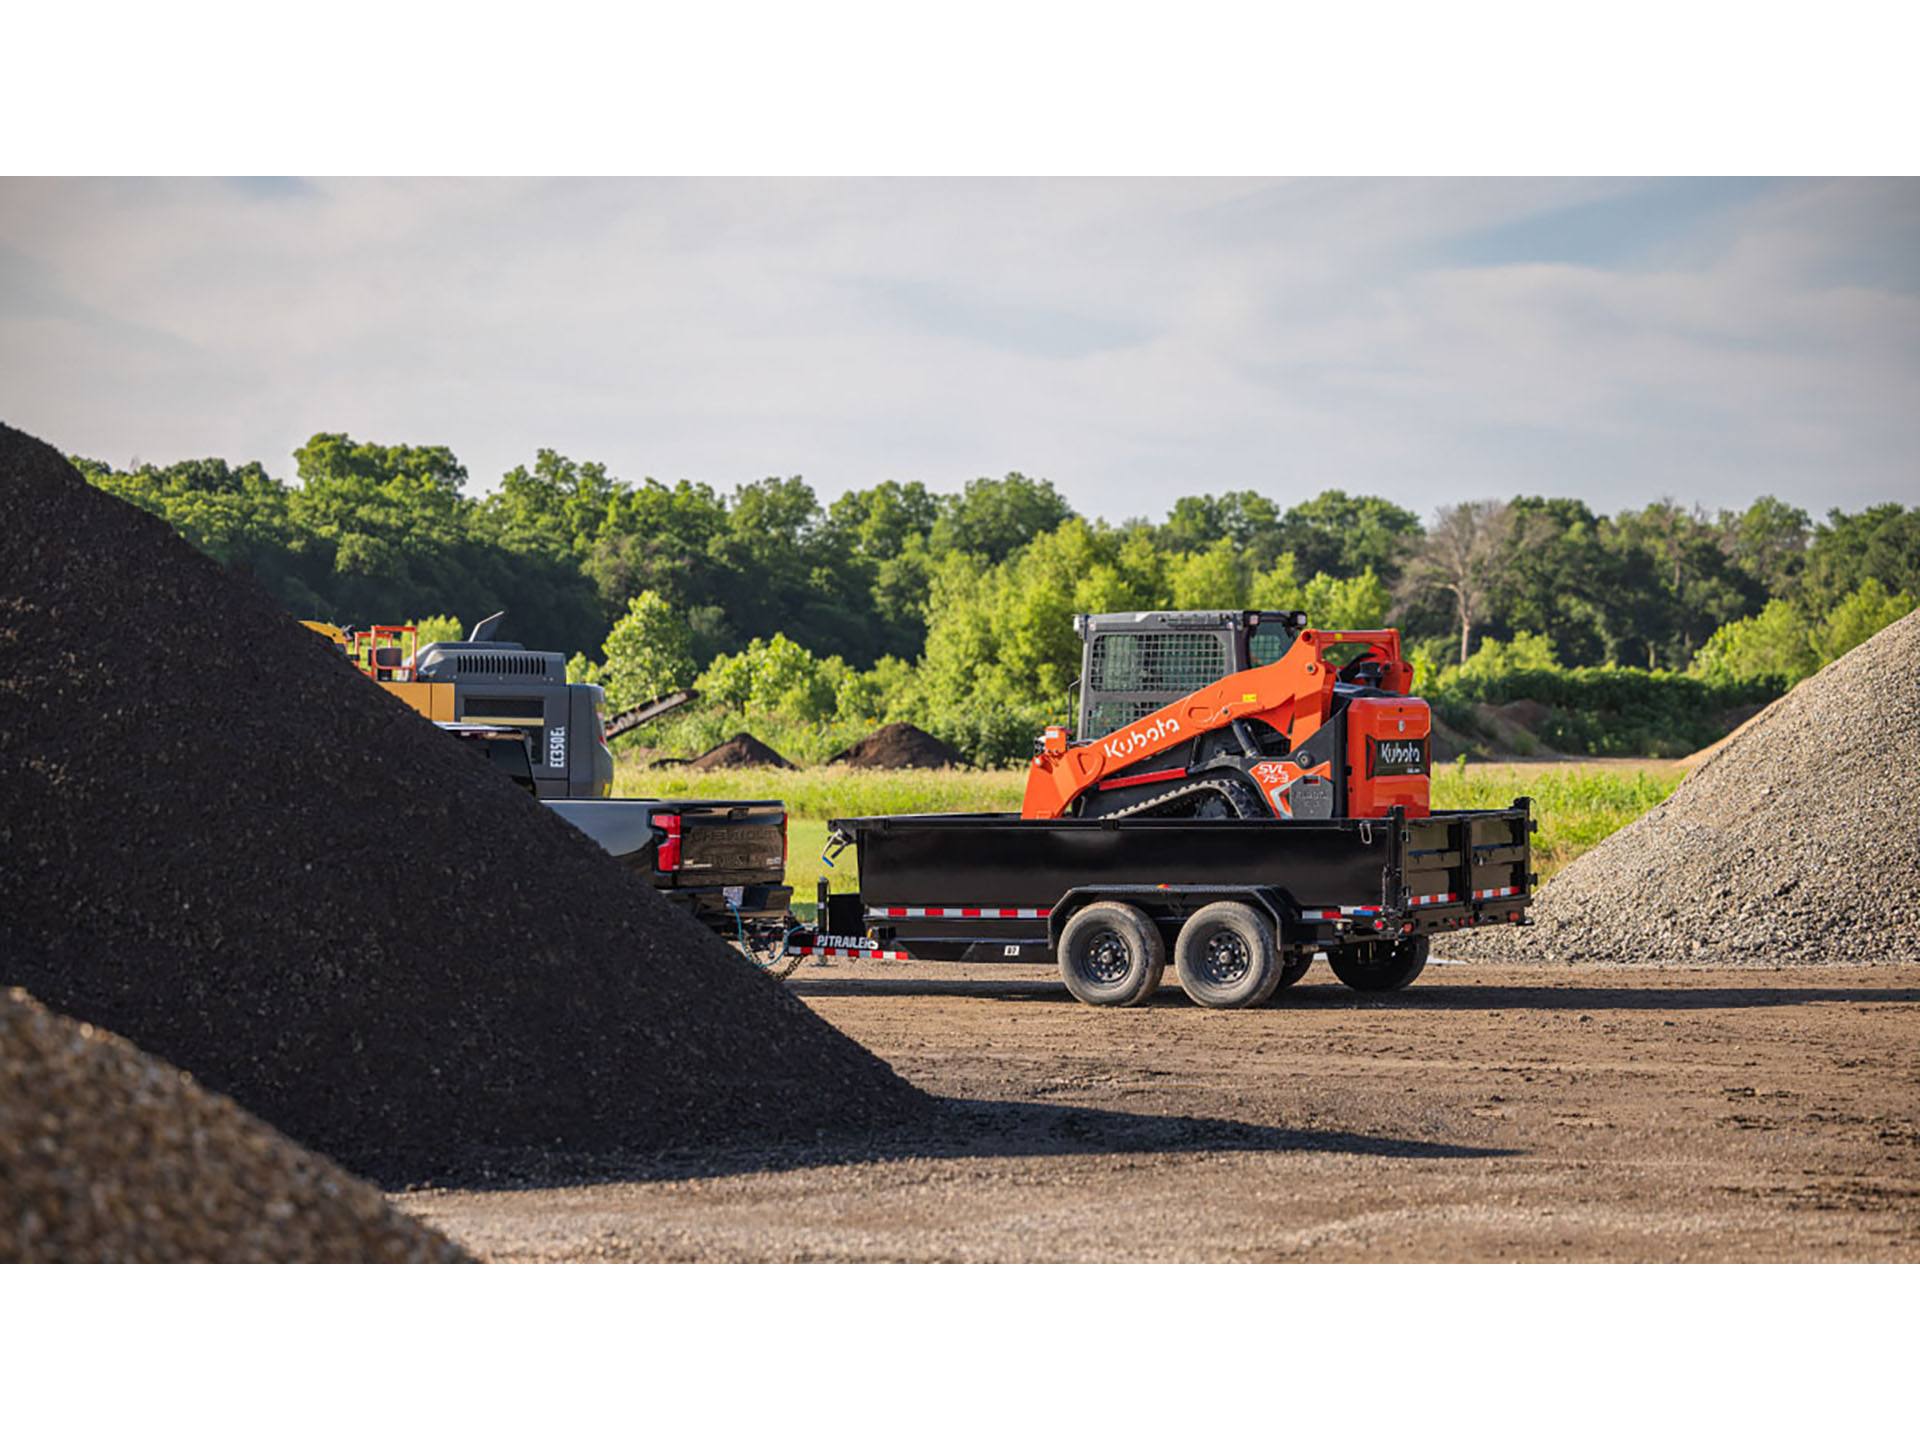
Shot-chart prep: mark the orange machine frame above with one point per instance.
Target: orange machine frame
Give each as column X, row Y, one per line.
column 1294, row 695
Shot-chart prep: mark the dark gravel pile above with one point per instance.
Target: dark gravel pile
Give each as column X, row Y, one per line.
column 898, row 747
column 218, row 840
column 1794, row 843
column 109, row 1155
column 741, row 752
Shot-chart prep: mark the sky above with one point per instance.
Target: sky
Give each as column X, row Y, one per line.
column 1429, row 341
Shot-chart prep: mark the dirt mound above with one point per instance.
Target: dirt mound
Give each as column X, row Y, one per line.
column 741, row 752
column 1493, row 732
column 898, row 747
column 1447, row 744
column 1525, row 714
column 1793, row 844
column 108, row 1155
column 223, row 843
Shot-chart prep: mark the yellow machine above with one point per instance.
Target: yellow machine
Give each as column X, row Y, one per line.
column 484, row 681
column 388, row 655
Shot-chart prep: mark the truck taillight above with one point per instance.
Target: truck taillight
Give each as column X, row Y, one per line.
column 666, row 855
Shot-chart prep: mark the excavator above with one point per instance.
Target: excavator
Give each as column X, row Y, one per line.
column 1180, row 717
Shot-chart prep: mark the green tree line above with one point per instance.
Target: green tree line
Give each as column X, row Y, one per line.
column 953, row 609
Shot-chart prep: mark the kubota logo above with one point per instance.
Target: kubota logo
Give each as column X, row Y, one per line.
column 1118, row 747
column 1400, row 752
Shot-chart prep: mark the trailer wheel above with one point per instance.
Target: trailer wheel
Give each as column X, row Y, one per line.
column 1382, row 965
column 1226, row 956
column 1111, row 954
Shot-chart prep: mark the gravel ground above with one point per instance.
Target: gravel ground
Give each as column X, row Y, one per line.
column 108, row 1155
column 1584, row 1113
column 220, row 841
column 1794, row 844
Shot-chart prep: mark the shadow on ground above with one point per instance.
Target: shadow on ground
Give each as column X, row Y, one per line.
column 1422, row 995
column 957, row 1129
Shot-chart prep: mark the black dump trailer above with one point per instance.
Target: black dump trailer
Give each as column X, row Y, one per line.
column 1243, row 907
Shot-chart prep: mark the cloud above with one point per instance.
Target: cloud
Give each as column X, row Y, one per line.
column 1132, row 340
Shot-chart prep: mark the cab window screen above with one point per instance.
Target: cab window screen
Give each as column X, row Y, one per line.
column 1180, row 663
column 1131, row 675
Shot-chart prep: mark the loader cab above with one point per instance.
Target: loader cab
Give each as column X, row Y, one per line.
column 1134, row 662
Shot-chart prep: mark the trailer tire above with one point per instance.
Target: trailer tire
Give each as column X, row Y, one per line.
column 1382, row 965
column 1227, row 957
column 1111, row 954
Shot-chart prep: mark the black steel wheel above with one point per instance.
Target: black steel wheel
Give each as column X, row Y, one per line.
column 1226, row 956
column 1381, row 965
column 1111, row 954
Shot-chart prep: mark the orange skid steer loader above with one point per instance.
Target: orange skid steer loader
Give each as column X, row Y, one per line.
column 1235, row 714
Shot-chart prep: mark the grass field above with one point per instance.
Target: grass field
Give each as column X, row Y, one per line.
column 1578, row 804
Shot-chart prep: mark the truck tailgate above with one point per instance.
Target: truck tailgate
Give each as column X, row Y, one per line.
column 724, row 860
column 732, row 842
column 691, row 842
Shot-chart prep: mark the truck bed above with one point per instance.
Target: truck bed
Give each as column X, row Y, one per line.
column 992, row 886
column 724, row 861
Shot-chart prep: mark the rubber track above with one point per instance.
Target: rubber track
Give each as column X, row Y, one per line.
column 1236, row 795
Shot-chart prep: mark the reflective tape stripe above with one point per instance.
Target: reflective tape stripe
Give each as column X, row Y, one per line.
column 849, row 954
column 952, row 912
column 1445, row 899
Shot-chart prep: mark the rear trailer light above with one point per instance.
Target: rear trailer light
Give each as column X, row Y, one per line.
column 666, row 855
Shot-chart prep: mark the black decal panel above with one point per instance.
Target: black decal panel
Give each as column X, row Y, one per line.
column 1396, row 757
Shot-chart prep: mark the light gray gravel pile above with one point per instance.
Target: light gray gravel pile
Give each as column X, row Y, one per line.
column 1798, row 843
column 107, row 1154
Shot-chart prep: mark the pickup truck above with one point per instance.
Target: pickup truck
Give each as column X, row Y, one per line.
column 722, row 861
